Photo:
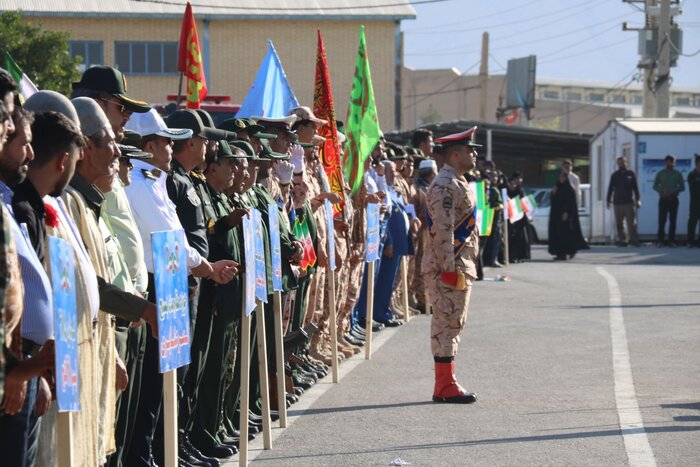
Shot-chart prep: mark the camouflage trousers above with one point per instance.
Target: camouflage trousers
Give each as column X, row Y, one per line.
column 416, row 280
column 449, row 314
column 314, row 305
column 354, row 284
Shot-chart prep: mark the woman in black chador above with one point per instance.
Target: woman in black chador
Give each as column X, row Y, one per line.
column 518, row 232
column 565, row 237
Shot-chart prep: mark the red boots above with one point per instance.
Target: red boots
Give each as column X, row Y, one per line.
column 447, row 389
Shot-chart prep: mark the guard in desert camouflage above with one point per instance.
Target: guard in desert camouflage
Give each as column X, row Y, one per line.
column 449, row 265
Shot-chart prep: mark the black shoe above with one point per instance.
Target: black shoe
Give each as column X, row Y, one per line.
column 359, row 329
column 560, row 258
column 466, row 398
column 185, row 457
column 218, row 451
column 392, row 323
column 196, row 453
column 376, row 327
column 292, row 398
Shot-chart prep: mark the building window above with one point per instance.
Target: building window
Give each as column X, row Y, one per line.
column 573, row 96
column 550, row 94
column 637, row 99
column 146, row 58
column 618, row 99
column 683, row 101
column 596, row 97
column 91, row 53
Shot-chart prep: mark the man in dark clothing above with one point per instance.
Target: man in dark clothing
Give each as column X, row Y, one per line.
column 623, row 192
column 669, row 184
column 694, row 217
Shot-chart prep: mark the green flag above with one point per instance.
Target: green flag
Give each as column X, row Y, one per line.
column 362, row 124
column 26, row 87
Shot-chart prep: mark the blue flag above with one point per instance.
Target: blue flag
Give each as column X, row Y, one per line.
column 271, row 96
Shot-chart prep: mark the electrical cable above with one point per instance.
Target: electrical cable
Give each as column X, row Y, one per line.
column 443, row 87
column 311, row 9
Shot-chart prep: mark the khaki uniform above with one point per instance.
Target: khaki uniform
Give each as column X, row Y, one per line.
column 452, row 247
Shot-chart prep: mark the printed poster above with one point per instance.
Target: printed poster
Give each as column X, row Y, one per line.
column 260, row 267
column 372, row 232
column 170, row 271
column 65, row 318
column 275, row 249
column 249, row 245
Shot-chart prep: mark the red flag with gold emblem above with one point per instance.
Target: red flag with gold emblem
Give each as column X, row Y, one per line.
column 190, row 60
column 323, row 108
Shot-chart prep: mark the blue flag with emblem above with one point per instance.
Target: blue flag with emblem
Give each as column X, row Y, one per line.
column 271, row 96
column 372, row 233
column 275, row 249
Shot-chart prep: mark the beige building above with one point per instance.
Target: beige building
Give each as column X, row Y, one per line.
column 141, row 39
column 430, row 96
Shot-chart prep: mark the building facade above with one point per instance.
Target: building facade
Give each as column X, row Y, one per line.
column 141, row 39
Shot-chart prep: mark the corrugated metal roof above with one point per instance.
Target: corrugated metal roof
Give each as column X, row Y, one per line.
column 661, row 125
column 220, row 9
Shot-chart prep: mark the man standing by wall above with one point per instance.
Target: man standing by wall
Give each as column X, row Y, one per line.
column 694, row 188
column 623, row 193
column 668, row 183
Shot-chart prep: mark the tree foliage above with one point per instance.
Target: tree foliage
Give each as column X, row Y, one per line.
column 42, row 54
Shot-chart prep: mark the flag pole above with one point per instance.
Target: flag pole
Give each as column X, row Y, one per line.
column 179, row 92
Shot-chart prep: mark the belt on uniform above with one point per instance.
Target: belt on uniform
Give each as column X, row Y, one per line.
column 29, row 347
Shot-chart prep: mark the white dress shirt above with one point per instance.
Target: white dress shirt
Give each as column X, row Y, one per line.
column 153, row 211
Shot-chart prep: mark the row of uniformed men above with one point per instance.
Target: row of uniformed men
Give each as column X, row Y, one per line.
column 65, row 173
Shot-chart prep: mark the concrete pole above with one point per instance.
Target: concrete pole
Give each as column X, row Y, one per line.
column 663, row 69
column 649, row 102
column 484, row 77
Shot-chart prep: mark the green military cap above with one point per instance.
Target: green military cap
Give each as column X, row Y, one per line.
column 223, row 152
column 209, row 123
column 111, row 81
column 246, row 147
column 395, row 152
column 247, row 125
column 268, row 153
column 131, row 138
column 132, row 152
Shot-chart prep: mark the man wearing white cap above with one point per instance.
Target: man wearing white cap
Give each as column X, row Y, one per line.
column 154, row 211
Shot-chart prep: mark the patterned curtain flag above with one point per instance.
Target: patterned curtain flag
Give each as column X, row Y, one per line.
column 190, row 60
column 324, row 108
column 271, row 95
column 363, row 131
column 515, row 209
column 529, row 204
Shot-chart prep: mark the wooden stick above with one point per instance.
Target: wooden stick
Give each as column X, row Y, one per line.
column 170, row 418
column 262, row 368
column 245, row 385
column 506, row 255
column 281, row 392
column 404, row 292
column 332, row 324
column 370, row 310
column 64, row 438
column 426, row 299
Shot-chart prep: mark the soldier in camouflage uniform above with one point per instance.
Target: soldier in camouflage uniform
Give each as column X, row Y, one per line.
column 450, row 261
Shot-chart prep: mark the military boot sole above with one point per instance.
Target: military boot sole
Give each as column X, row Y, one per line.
column 468, row 398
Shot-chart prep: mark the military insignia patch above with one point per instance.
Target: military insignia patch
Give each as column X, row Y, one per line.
column 447, row 202
column 147, row 174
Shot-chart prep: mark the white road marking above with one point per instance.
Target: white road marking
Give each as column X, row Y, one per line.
column 639, row 451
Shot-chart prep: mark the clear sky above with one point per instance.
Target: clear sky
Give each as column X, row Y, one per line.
column 572, row 39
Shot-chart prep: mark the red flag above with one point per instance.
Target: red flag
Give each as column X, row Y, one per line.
column 190, row 60
column 323, row 108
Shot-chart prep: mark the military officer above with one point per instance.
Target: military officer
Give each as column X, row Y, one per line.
column 450, row 263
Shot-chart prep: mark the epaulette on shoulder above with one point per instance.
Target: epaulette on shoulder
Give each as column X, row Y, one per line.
column 148, row 174
column 198, row 175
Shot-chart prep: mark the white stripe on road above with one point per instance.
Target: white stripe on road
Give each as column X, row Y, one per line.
column 639, row 451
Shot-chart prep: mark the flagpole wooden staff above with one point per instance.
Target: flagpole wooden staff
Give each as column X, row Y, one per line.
column 245, row 383
column 279, row 360
column 262, row 368
column 170, row 418
column 370, row 310
column 404, row 280
column 64, row 446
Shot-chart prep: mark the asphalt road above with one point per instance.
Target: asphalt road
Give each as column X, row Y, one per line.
column 539, row 352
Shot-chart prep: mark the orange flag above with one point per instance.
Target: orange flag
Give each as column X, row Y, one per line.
column 190, row 60
column 323, row 108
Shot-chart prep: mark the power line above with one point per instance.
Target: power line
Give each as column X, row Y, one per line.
column 584, row 52
column 673, row 46
column 498, row 13
column 435, row 93
column 597, row 114
column 248, row 8
column 586, row 5
column 459, row 50
column 443, row 87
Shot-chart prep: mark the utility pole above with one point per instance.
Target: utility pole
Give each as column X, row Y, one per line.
column 663, row 70
column 484, row 77
column 656, row 39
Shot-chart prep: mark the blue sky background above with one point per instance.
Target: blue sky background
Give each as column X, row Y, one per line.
column 572, row 39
